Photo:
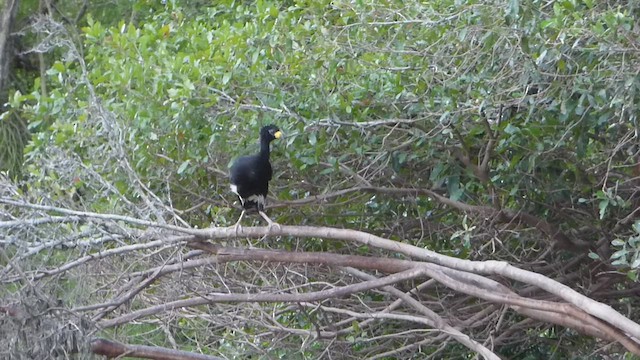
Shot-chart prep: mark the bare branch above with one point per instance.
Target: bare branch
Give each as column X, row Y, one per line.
column 112, row 349
column 584, row 303
column 212, row 298
column 437, row 321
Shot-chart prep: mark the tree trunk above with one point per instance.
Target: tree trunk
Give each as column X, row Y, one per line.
column 13, row 133
column 9, row 9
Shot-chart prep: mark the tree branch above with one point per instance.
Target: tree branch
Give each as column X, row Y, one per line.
column 438, row 322
column 212, row 298
column 113, row 349
column 599, row 310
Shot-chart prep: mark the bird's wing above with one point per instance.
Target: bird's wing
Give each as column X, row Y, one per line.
column 245, row 168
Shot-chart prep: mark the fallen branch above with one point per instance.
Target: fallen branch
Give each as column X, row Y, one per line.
column 113, row 349
column 599, row 310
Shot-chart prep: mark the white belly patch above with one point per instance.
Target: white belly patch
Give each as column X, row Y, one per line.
column 258, row 199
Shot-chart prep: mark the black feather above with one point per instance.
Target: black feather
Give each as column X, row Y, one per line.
column 250, row 175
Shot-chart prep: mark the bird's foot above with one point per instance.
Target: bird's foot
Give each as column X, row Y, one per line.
column 271, row 223
column 237, row 228
column 274, row 224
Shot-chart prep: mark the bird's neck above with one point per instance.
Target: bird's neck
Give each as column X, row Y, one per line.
column 264, row 149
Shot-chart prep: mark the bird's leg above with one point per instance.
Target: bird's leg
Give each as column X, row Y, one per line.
column 268, row 220
column 237, row 226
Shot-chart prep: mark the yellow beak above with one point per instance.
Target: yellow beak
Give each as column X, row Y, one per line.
column 278, row 134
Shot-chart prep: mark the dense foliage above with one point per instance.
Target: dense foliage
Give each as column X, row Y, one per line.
column 522, row 114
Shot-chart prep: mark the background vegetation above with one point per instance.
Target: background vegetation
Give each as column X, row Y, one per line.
column 481, row 130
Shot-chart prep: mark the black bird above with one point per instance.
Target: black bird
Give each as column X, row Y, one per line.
column 250, row 176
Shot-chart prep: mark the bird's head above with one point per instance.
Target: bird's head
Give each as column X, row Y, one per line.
column 270, row 133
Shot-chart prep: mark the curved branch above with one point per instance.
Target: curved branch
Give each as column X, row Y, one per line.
column 311, row 296
column 468, row 283
column 435, row 318
column 590, row 306
column 502, row 215
column 38, row 221
column 99, row 255
column 491, row 267
column 112, row 349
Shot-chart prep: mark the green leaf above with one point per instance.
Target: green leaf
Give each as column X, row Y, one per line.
column 355, row 326
column 541, row 57
column 183, row 167
column 436, row 174
column 453, row 187
column 514, row 8
column 462, row 34
column 619, row 254
column 619, row 262
column 602, row 205
column 618, row 242
column 511, row 129
column 225, row 78
column 59, row 66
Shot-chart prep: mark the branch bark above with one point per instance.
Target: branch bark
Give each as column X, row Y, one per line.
column 6, row 54
column 227, row 298
column 475, row 285
column 592, row 307
column 114, row 349
column 438, row 322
